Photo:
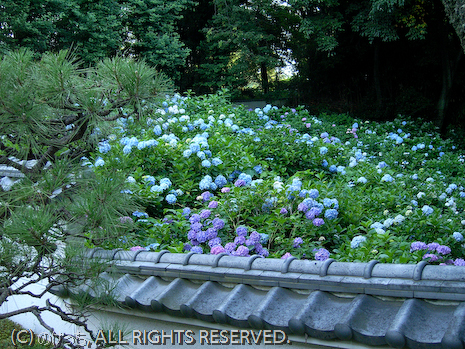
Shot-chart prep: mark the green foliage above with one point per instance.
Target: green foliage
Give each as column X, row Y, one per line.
column 52, row 113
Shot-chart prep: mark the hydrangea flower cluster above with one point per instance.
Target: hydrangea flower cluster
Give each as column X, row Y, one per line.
column 433, row 252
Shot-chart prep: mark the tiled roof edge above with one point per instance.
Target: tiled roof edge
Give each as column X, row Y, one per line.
column 400, row 280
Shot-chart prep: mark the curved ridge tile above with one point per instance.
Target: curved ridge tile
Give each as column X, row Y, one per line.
column 276, row 308
column 124, row 285
column 368, row 320
column 146, row 291
column 208, row 297
column 454, row 337
column 238, row 305
column 175, row 294
column 419, row 324
column 319, row 315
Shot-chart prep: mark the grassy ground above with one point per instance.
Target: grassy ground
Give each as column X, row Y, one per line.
column 6, row 328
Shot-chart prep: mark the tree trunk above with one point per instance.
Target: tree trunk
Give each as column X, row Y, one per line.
column 376, row 75
column 448, row 69
column 455, row 10
column 264, row 78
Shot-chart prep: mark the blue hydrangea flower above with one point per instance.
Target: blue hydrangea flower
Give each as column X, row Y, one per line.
column 313, row 193
column 220, row 181
column 387, row 178
column 216, row 161
column 258, row 169
column 127, row 149
column 171, row 199
column 331, row 213
column 324, row 163
column 457, row 236
column 206, row 163
column 194, row 147
column 323, row 150
column 99, row 162
column 104, row 147
column 187, row 153
column 427, row 210
column 357, row 241
column 327, row 202
column 332, row 168
column 139, row 214
column 157, row 130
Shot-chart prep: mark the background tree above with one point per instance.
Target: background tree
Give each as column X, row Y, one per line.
column 152, row 32
column 51, row 113
column 243, row 42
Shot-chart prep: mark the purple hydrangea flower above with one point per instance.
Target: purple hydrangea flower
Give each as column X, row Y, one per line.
column 229, row 247
column 213, row 204
column 239, row 240
column 432, row 246
column 225, row 190
column 417, row 246
column 242, row 251
column 313, row 212
column 206, row 195
column 297, row 242
column 192, row 234
column 321, row 254
column 286, row 255
column 214, row 242
column 432, row 257
column 197, row 249
column 194, row 242
column 442, row 249
column 187, row 247
column 201, row 236
column 241, row 230
column 205, row 214
column 318, row 221
column 283, row 211
column 264, row 252
column 217, row 249
column 258, row 247
column 255, row 237
column 239, row 183
column 196, row 226
column 211, row 233
column 303, row 207
column 218, row 223
column 195, row 218
column 459, row 262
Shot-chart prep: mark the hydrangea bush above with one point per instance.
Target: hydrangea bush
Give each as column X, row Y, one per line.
column 213, row 177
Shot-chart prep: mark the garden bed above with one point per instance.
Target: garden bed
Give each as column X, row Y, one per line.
column 211, row 177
